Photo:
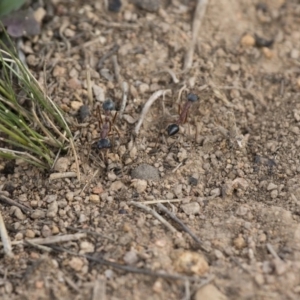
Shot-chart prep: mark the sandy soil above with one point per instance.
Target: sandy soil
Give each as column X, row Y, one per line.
column 233, row 169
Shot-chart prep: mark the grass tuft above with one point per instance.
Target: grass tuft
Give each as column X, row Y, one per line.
column 32, row 127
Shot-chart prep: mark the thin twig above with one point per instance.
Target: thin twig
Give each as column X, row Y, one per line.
column 154, row 214
column 111, row 52
column 198, row 17
column 124, row 99
column 91, row 233
column 89, row 86
column 147, row 106
column 272, row 251
column 55, row 176
column 5, row 239
column 39, row 247
column 51, row 239
column 89, row 180
column 184, row 227
column 116, row 68
column 15, row 203
column 99, row 291
column 130, row 269
column 165, row 200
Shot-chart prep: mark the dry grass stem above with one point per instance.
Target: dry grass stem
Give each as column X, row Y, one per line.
column 99, row 291
column 52, row 239
column 5, row 238
column 9, row 201
column 147, row 106
column 116, row 68
column 165, row 200
column 184, row 227
column 154, row 214
column 124, row 99
column 198, row 17
column 89, row 86
column 55, row 176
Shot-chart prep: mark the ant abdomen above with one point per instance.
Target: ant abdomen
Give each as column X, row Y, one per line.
column 172, row 129
column 108, row 105
column 104, row 144
column 192, row 97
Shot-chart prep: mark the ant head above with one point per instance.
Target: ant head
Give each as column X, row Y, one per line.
column 172, row 129
column 104, row 144
column 192, row 97
column 108, row 105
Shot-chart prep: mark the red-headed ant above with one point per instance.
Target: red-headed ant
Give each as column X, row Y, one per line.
column 183, row 114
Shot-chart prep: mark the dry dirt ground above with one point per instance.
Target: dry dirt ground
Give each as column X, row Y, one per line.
column 234, row 167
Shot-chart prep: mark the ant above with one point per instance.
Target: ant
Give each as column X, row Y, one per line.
column 183, row 114
column 106, row 124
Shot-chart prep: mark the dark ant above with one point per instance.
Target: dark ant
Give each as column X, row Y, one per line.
column 183, row 114
column 106, row 124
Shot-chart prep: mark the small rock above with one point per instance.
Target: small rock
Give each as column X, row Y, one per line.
column 242, row 210
column 296, row 113
column 268, row 53
column 29, row 234
column 149, row 5
column 94, row 198
column 295, row 129
column 19, row 236
column 219, row 254
column 39, row 14
column 58, row 71
column 274, row 194
column 272, row 186
column 55, row 229
column 52, row 209
column 62, row 164
column 215, row 192
column 38, row 214
column 193, row 181
column 139, row 184
column 158, row 286
column 209, row 292
column 18, row 214
column 74, row 84
column 76, row 263
column 190, row 263
column 50, row 198
column 76, row 105
column 146, row 172
column 86, row 247
column 191, row 208
column 98, row 93
column 69, row 32
column 46, row 231
column 97, row 190
column 114, row 5
column 117, row 185
column 143, row 88
column 295, row 54
column 130, row 258
column 239, row 243
column 70, row 196
column 248, row 40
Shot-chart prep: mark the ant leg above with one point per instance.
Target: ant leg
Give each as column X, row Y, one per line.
column 99, row 117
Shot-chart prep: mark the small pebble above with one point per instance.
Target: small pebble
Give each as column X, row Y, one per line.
column 130, row 258
column 52, row 209
column 86, row 247
column 191, row 208
column 139, row 184
column 94, row 198
column 76, row 105
column 209, row 292
column 29, row 234
column 70, row 196
column 271, row 186
column 38, row 214
column 76, row 263
column 18, row 214
column 117, row 185
column 62, row 164
column 248, row 40
column 146, row 172
column 239, row 243
column 19, row 236
column 46, row 231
